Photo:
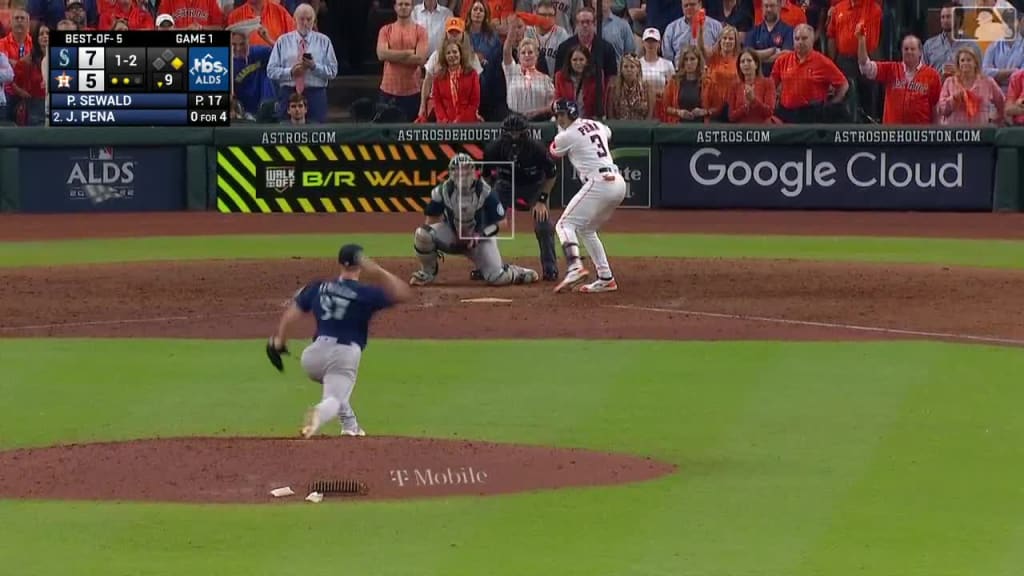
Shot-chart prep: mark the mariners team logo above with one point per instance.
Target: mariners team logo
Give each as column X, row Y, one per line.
column 209, row 70
column 280, row 179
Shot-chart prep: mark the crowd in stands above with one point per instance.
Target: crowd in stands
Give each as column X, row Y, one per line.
column 672, row 61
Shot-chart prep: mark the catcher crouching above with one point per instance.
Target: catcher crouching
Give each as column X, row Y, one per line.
column 463, row 217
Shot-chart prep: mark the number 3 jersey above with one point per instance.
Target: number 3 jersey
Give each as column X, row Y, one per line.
column 587, row 142
column 342, row 308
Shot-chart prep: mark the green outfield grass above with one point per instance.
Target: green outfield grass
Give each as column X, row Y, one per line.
column 986, row 253
column 795, row 459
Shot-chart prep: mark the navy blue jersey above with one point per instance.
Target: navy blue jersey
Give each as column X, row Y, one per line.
column 343, row 308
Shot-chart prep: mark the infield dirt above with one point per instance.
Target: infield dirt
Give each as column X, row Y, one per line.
column 660, row 298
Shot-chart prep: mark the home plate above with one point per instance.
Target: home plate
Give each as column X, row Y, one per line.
column 485, row 300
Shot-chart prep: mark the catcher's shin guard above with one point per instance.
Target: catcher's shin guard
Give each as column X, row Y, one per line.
column 512, row 274
column 426, row 250
column 545, row 233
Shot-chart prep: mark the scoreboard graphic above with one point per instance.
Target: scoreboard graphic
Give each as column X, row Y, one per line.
column 140, row 78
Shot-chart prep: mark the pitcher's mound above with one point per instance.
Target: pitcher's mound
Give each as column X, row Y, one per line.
column 245, row 470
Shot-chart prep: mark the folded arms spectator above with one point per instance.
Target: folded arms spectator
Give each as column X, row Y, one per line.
column 456, row 86
column 752, row 98
column 1002, row 59
column 402, row 47
column 771, row 37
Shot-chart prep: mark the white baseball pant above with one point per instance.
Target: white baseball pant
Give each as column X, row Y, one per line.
column 588, row 210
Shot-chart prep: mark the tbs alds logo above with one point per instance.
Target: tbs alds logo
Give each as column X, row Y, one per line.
column 209, row 71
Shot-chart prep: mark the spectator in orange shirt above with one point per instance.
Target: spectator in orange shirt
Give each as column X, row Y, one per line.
column 790, row 13
column 842, row 47
column 752, row 98
column 811, row 87
column 722, row 72
column 402, row 47
column 5, row 17
column 194, row 14
column 1015, row 99
column 273, row 17
column 128, row 11
column 911, row 87
column 456, row 86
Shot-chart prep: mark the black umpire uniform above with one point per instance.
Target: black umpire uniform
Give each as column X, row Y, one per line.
column 535, row 173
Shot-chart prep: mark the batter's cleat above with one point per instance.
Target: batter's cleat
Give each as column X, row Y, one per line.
column 312, row 424
column 353, row 432
column 421, row 278
column 573, row 276
column 476, row 275
column 599, row 285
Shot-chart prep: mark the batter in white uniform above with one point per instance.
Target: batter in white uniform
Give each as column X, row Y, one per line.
column 586, row 143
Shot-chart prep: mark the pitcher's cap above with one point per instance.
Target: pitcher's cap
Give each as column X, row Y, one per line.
column 350, row 255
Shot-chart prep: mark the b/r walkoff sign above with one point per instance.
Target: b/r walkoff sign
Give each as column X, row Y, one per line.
column 635, row 166
column 372, row 177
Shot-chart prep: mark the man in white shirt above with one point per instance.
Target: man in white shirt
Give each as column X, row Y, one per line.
column 303, row 62
column 939, row 49
column 432, row 16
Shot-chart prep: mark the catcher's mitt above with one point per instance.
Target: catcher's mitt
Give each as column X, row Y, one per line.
column 274, row 354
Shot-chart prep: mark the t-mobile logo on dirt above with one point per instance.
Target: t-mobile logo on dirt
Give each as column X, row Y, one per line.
column 793, row 171
column 438, row 477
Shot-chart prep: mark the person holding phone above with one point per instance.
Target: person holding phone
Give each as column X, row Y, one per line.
column 303, row 62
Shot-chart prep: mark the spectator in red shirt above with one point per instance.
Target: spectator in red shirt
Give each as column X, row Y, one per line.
column 1015, row 99
column 456, row 86
column 812, row 88
column 16, row 45
column 577, row 80
column 127, row 10
column 752, row 99
column 194, row 14
column 29, row 81
column 912, row 88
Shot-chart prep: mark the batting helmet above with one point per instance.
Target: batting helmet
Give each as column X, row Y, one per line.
column 567, row 106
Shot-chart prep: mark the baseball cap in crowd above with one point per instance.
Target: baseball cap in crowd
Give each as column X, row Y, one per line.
column 652, row 34
column 350, row 255
column 454, row 24
column 71, row 3
column 165, row 19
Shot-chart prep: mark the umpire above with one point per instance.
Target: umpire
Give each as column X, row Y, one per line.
column 534, row 178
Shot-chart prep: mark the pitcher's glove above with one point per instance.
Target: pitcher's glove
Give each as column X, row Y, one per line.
column 274, row 354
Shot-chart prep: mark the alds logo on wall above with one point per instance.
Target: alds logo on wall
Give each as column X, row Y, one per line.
column 339, row 178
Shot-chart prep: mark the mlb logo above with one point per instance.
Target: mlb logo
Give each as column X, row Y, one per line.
column 104, row 153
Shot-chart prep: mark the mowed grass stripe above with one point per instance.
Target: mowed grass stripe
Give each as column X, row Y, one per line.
column 983, row 253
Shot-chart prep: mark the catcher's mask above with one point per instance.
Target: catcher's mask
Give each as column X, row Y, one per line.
column 462, row 170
